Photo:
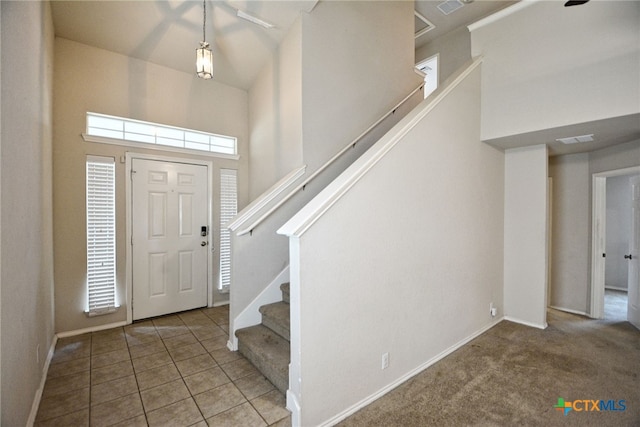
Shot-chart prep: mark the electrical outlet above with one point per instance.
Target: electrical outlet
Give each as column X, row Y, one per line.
column 385, row 360
column 492, row 310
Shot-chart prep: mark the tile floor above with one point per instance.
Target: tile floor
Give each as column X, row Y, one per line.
column 174, row 370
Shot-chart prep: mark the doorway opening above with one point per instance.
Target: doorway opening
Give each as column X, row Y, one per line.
column 613, row 225
column 429, row 68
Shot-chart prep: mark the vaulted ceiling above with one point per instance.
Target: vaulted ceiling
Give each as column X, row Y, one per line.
column 167, row 32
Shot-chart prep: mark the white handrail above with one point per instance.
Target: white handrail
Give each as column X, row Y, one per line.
column 352, row 144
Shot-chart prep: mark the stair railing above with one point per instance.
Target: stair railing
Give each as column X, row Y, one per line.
column 249, row 229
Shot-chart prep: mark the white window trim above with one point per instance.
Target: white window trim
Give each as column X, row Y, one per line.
column 152, row 146
column 112, row 287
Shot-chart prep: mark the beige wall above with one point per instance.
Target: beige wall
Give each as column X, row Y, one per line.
column 418, row 249
column 357, row 63
column 275, row 116
column 571, row 240
column 454, row 49
column 571, row 225
column 26, row 280
column 91, row 79
column 584, row 60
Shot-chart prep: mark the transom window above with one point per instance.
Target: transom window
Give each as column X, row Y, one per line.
column 108, row 129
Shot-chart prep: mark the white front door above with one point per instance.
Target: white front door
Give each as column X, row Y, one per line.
column 633, row 310
column 169, row 209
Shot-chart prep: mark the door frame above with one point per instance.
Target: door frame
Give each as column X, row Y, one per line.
column 129, row 157
column 598, row 235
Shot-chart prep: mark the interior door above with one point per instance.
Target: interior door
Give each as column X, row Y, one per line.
column 170, row 256
column 633, row 310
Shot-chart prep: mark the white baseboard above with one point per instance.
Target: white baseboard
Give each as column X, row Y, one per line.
column 293, row 404
column 568, row 310
column 221, row 303
column 91, row 329
column 526, row 323
column 38, row 396
column 294, row 407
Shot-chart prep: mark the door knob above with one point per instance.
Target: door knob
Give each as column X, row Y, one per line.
column 628, row 256
column 203, row 243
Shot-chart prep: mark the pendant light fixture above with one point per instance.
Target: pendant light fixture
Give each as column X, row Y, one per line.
column 204, row 56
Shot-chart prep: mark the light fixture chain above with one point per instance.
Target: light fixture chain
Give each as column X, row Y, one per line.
column 204, row 20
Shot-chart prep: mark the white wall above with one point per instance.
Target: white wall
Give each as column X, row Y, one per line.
column 586, row 60
column 26, row 279
column 454, row 49
column 384, row 270
column 91, row 79
column 357, row 63
column 571, row 251
column 525, row 235
column 618, row 232
column 275, row 116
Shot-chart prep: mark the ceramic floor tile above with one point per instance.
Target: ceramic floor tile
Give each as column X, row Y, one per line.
column 186, row 351
column 239, row 368
column 180, row 340
column 157, row 376
column 164, row 395
column 154, row 360
column 224, row 355
column 216, row 343
column 224, row 327
column 206, row 380
column 116, row 411
column 181, row 413
column 74, row 419
column 70, row 350
column 271, row 406
column 139, row 421
column 63, row 404
column 218, row 400
column 254, row 385
column 114, row 389
column 170, row 320
column 196, row 364
column 147, row 348
column 141, row 334
column 108, row 335
column 108, row 346
column 61, row 385
column 242, row 415
column 285, row 422
column 111, row 372
column 105, row 359
column 172, row 331
column 70, row 367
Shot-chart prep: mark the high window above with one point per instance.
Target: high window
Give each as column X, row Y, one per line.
column 121, row 131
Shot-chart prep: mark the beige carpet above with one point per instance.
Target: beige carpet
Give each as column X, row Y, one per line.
column 513, row 375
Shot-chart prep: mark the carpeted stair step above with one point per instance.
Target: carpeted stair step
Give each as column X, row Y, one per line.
column 284, row 288
column 268, row 352
column 276, row 317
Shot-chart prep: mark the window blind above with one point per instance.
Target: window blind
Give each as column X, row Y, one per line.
column 101, row 235
column 228, row 210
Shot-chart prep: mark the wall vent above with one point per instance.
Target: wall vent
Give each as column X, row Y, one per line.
column 450, row 6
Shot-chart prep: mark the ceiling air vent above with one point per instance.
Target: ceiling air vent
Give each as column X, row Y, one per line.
column 450, row 6
column 576, row 139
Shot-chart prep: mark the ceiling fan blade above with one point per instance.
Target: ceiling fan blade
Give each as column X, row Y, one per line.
column 575, row 3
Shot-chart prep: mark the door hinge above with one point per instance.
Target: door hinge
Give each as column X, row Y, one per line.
column 132, row 173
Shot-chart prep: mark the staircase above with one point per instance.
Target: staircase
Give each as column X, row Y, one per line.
column 267, row 345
